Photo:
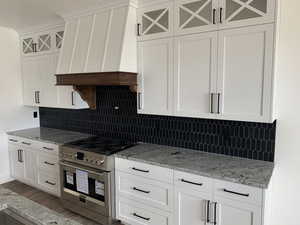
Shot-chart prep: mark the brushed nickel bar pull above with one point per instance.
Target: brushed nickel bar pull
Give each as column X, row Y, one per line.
column 214, row 16
column 140, row 170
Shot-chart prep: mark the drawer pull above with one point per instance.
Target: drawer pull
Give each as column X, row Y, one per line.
column 50, row 164
column 137, row 189
column 189, row 182
column 139, row 170
column 236, row 193
column 13, row 140
column 48, row 182
column 26, row 143
column 141, row 217
column 49, row 149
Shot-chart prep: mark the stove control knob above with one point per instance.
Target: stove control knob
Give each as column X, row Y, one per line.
column 100, row 162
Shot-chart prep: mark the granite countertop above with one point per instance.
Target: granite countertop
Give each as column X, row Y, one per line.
column 50, row 135
column 30, row 210
column 238, row 170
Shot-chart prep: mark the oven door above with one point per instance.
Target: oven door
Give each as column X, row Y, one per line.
column 96, row 198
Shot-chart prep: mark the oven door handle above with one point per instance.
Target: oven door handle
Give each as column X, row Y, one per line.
column 84, row 169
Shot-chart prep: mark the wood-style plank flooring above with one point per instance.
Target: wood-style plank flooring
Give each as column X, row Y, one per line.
column 46, row 200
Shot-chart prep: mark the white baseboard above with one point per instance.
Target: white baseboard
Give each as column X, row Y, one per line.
column 5, row 179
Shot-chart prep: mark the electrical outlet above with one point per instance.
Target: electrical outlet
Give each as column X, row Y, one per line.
column 35, row 114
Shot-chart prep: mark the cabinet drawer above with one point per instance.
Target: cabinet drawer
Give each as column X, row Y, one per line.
column 134, row 213
column 48, row 182
column 48, row 162
column 23, row 142
column 149, row 192
column 145, row 170
column 239, row 192
column 194, row 182
column 48, row 148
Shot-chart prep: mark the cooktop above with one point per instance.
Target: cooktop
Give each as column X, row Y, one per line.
column 101, row 145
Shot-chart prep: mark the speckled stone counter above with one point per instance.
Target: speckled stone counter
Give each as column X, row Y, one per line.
column 50, row 135
column 238, row 170
column 30, row 210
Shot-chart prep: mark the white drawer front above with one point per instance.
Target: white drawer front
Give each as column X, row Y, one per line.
column 14, row 140
column 23, row 142
column 133, row 213
column 48, row 162
column 148, row 192
column 48, row 148
column 48, row 182
column 194, row 182
column 239, row 192
column 145, row 170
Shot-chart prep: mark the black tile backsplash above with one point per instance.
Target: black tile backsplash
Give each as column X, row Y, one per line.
column 116, row 117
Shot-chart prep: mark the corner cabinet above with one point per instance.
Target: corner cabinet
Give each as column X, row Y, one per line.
column 180, row 198
column 218, row 63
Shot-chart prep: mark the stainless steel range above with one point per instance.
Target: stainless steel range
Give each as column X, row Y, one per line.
column 87, row 177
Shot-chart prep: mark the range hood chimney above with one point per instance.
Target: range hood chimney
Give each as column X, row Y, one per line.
column 99, row 49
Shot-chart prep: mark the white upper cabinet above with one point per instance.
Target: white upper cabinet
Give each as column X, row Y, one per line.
column 195, row 74
column 44, row 42
column 100, row 42
column 39, row 80
column 155, row 21
column 235, row 13
column 155, row 77
column 195, row 16
column 245, row 73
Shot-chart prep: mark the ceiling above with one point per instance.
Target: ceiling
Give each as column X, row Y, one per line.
column 22, row 14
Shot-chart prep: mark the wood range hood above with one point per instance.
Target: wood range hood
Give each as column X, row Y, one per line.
column 85, row 83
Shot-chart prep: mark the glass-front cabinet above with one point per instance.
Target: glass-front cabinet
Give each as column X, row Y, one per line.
column 155, row 21
column 193, row 16
column 235, row 13
column 41, row 43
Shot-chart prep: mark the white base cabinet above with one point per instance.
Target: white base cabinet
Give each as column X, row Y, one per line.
column 35, row 163
column 188, row 200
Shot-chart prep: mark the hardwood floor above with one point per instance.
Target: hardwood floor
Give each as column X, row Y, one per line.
column 46, row 200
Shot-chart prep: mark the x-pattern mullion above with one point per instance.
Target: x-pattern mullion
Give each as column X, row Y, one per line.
column 243, row 6
column 155, row 22
column 59, row 42
column 28, row 45
column 195, row 14
column 44, row 42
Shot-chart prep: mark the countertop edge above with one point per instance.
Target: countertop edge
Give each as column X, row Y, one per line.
column 256, row 185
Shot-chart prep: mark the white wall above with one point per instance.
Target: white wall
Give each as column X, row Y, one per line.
column 284, row 202
column 13, row 115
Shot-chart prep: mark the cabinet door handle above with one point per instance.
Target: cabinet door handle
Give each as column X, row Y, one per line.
column 51, row 164
column 139, row 101
column 140, row 170
column 190, row 182
column 214, row 16
column 215, row 213
column 138, row 29
column 49, row 149
column 207, row 211
column 26, row 143
column 211, row 103
column 221, row 15
column 235, row 193
column 141, row 217
column 35, row 97
column 72, row 98
column 20, row 156
column 38, row 97
column 13, row 140
column 48, row 182
column 140, row 190
column 219, row 97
